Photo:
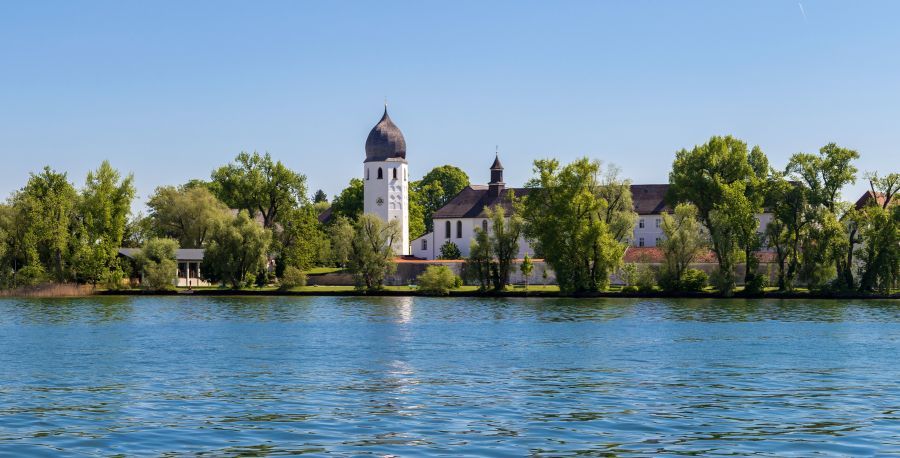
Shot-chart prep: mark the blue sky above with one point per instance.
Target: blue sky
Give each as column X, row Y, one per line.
column 170, row 90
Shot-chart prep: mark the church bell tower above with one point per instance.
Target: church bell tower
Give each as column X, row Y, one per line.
column 386, row 178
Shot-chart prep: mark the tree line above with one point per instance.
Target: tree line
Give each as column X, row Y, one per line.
column 580, row 219
column 252, row 216
column 257, row 224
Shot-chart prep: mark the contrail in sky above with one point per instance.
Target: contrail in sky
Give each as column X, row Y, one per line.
column 802, row 11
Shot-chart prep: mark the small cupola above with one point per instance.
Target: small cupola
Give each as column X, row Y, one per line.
column 496, row 185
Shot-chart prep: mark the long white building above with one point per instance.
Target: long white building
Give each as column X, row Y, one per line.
column 457, row 221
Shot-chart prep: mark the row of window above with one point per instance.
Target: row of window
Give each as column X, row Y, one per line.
column 641, row 241
column 380, row 174
column 641, row 222
column 448, row 227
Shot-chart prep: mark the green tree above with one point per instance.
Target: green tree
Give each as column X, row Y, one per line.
column 320, row 196
column 301, row 240
column 480, row 264
column 435, row 189
column 823, row 175
column 187, row 214
column 730, row 223
column 684, row 240
column 103, row 210
column 157, row 263
column 880, row 252
column 46, row 209
column 526, row 268
column 566, row 216
column 340, row 233
column 236, row 252
column 257, row 184
column 504, row 239
column 371, row 256
column 138, row 230
column 349, row 203
column 879, row 226
column 417, row 226
column 704, row 176
column 449, row 250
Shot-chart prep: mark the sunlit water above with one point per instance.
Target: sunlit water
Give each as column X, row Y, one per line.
column 405, row 376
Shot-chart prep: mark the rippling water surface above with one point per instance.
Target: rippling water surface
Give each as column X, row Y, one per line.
column 416, row 376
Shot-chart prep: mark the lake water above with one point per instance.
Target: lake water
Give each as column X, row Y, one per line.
column 420, row 376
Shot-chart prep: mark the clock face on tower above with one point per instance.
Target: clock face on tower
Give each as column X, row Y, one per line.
column 379, row 201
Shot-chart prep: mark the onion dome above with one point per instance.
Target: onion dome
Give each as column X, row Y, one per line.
column 385, row 141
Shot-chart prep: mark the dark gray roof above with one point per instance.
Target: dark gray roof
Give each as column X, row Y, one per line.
column 471, row 201
column 182, row 254
column 497, row 165
column 649, row 199
column 385, row 141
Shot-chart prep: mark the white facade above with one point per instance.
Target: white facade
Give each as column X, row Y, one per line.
column 386, row 194
column 462, row 232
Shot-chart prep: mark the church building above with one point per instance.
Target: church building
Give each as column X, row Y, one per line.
column 386, row 194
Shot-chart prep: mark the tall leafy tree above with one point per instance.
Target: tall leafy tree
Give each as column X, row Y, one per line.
column 793, row 214
column 257, row 184
column 103, row 210
column 349, row 203
column 435, row 189
column 157, row 263
column 879, row 227
column 46, row 208
column 566, row 216
column 704, row 176
column 320, row 196
column 685, row 240
column 371, row 256
column 340, row 233
column 823, row 176
column 301, row 240
column 236, row 253
column 504, row 236
column 187, row 214
column 481, row 264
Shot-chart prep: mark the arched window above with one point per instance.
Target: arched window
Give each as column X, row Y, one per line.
column 447, row 227
column 459, row 229
column 380, row 174
column 484, row 225
column 395, row 174
column 367, row 173
column 424, row 244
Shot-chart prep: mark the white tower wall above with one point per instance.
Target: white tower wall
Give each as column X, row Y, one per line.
column 388, row 196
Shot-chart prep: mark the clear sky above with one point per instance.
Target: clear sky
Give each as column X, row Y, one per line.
column 170, row 90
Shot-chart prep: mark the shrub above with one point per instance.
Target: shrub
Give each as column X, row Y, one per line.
column 630, row 289
column 629, row 274
column 292, row 278
column 157, row 263
column 646, row 278
column 694, row 280
column 449, row 250
column 31, row 275
column 756, row 285
column 437, row 280
column 160, row 275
